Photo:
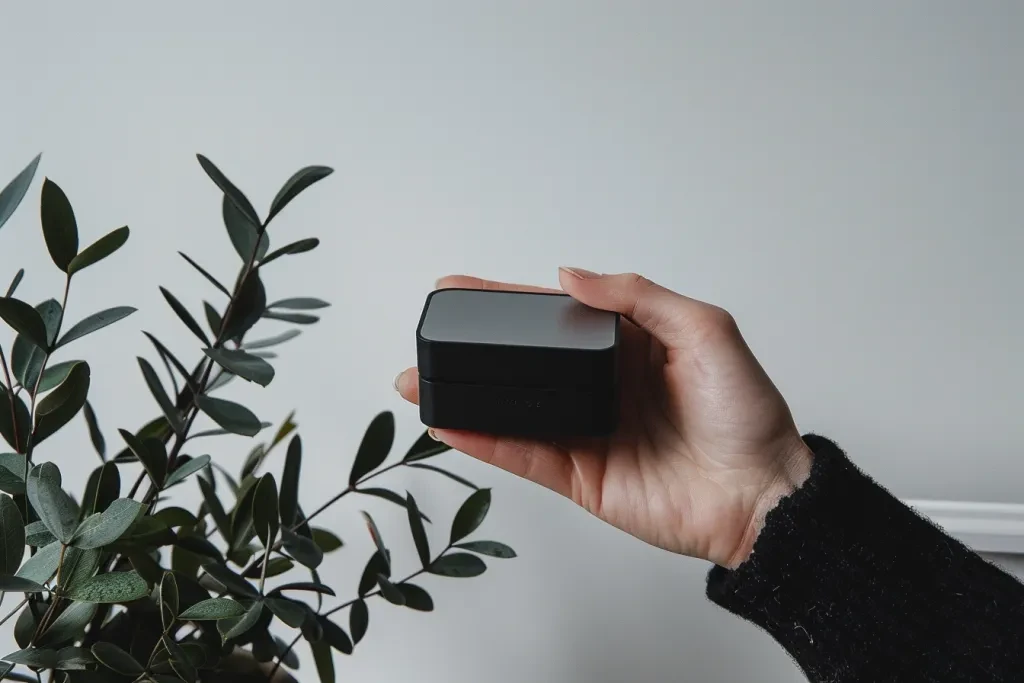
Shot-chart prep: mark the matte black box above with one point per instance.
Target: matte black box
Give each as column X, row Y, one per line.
column 517, row 364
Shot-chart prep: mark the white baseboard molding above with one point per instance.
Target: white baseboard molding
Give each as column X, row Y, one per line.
column 985, row 527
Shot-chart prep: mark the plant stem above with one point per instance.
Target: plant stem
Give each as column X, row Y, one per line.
column 13, row 611
column 44, row 623
column 11, row 396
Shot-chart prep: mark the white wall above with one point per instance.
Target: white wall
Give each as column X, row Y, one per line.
column 844, row 176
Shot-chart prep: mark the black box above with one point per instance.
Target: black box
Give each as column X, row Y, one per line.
column 517, row 364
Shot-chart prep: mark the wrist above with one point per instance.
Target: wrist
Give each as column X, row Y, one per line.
column 794, row 467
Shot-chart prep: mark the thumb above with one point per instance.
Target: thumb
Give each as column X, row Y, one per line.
column 662, row 313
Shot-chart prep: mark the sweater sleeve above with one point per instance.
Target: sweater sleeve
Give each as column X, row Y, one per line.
column 858, row 587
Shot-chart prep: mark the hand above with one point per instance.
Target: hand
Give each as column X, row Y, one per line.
column 706, row 444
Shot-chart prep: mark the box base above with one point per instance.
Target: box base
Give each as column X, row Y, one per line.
column 518, row 411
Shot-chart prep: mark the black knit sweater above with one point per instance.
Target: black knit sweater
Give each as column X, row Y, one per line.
column 857, row 587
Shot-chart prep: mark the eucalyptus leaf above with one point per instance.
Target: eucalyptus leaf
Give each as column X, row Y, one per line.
column 377, row 564
column 55, row 508
column 489, row 548
column 169, row 600
column 94, row 322
column 116, row 659
column 233, row 417
column 303, row 549
column 175, row 517
column 160, row 394
column 245, row 365
column 70, row 625
column 103, row 528
column 458, row 565
column 389, row 591
column 359, row 620
column 11, row 483
column 15, row 281
column 297, row 318
column 216, row 510
column 419, row 534
column 115, row 587
column 79, row 567
column 248, row 307
column 186, row 469
column 416, row 598
column 444, row 473
column 229, row 579
column 265, row 515
column 59, row 227
column 287, row 335
column 185, row 317
column 204, row 273
column 324, row 661
column 37, row 535
column 289, row 497
column 199, row 546
column 213, row 609
column 471, row 514
column 65, row 659
column 179, row 660
column 298, row 247
column 229, row 189
column 275, row 567
column 16, row 584
column 12, row 536
column 41, row 567
column 378, row 540
column 425, row 447
column 95, row 434
column 375, row 446
column 390, row 496
column 213, row 318
column 58, row 407
column 27, row 359
column 169, row 357
column 335, row 636
column 290, row 612
column 302, row 303
column 326, row 540
column 153, row 461
column 243, row 232
column 242, row 625
column 298, row 182
column 14, row 191
column 15, row 431
column 24, row 320
column 99, row 250
column 310, row 586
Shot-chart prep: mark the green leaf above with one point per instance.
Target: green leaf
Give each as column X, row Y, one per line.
column 233, row 417
column 419, row 534
column 116, row 659
column 308, row 244
column 27, row 359
column 264, row 510
column 299, row 181
column 326, row 540
column 115, row 587
column 186, row 469
column 65, row 659
column 287, row 335
column 445, row 473
column 290, row 481
column 37, row 535
column 14, row 433
column 458, row 565
column 95, row 435
column 359, row 620
column 55, row 374
column 290, row 612
column 79, row 566
column 416, row 598
column 389, row 591
column 275, row 567
column 471, row 514
column 310, row 586
column 70, row 625
column 213, row 505
column 96, row 321
column 15, row 281
column 245, row 622
column 297, row 318
column 248, row 307
column 243, row 232
column 245, row 365
column 12, row 536
column 425, row 447
column 236, row 197
column 378, row 540
column 59, row 227
column 204, row 273
column 185, row 317
column 163, row 400
column 168, row 597
column 324, row 661
column 377, row 564
column 16, row 584
column 58, row 407
column 489, row 548
column 43, row 565
column 55, row 508
column 375, row 446
column 147, row 567
column 213, row 318
column 303, row 549
column 153, row 461
column 390, row 496
column 229, row 579
column 99, row 250
column 15, row 190
column 103, row 528
column 199, row 546
column 24, row 320
column 212, row 610
column 302, row 303
column 175, row 517
column 335, row 636
column 179, row 660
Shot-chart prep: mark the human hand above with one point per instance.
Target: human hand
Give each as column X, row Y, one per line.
column 706, row 445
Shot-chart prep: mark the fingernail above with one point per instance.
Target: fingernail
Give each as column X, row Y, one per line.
column 394, row 382
column 433, row 434
column 579, row 273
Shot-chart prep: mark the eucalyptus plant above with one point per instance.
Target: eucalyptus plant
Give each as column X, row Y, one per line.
column 123, row 585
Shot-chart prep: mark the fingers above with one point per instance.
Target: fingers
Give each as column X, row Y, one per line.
column 669, row 317
column 407, row 384
column 540, row 462
column 469, row 282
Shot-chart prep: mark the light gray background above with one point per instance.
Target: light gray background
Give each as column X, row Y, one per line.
column 845, row 177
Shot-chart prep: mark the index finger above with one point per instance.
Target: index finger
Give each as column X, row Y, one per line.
column 471, row 282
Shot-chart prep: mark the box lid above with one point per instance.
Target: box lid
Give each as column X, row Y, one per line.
column 516, row 339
